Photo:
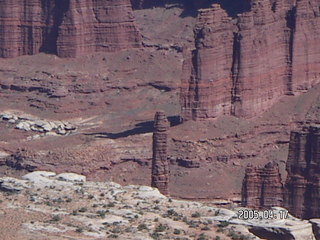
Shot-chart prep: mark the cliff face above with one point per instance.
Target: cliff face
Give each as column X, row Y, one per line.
column 302, row 194
column 67, row 28
column 23, row 26
column 98, row 26
column 262, row 187
column 160, row 164
column 241, row 66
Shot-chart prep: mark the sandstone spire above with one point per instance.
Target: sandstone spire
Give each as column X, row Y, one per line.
column 262, row 187
column 160, row 168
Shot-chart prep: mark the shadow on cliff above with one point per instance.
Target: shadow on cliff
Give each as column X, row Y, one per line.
column 140, row 128
column 191, row 7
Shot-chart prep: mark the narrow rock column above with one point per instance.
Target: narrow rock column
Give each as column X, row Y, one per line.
column 160, row 166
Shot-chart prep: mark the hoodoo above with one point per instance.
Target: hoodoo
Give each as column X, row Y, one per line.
column 160, row 165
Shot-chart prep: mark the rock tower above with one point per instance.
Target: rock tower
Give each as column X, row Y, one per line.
column 302, row 194
column 160, row 165
column 262, row 187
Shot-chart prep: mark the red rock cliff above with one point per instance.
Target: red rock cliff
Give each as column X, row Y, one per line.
column 262, row 187
column 160, row 164
column 242, row 65
column 67, row 28
column 302, row 195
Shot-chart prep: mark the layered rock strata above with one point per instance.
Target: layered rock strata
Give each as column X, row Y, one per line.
column 66, row 28
column 242, row 65
column 160, row 162
column 262, row 187
column 302, row 195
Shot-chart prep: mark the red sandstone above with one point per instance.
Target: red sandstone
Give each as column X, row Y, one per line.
column 68, row 29
column 241, row 66
column 160, row 164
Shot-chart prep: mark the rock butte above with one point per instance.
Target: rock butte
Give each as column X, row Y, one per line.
column 242, row 65
column 66, row 28
column 160, row 164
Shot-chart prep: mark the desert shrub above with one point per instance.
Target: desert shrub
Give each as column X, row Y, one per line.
column 142, row 226
column 83, row 209
column 101, row 213
column 223, row 224
column 195, row 215
column 160, row 228
column 55, row 218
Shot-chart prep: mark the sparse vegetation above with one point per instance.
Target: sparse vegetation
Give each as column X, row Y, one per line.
column 223, row 224
column 83, row 209
column 101, row 213
column 55, row 218
column 142, row 227
column 196, row 215
column 160, row 228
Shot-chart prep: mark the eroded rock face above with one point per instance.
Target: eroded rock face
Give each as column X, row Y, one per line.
column 67, row 28
column 242, row 65
column 160, row 163
column 97, row 26
column 302, row 194
column 262, row 187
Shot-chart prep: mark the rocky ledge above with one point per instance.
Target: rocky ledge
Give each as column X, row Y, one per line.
column 66, row 206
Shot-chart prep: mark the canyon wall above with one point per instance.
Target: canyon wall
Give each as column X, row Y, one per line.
column 160, row 163
column 241, row 65
column 66, row 28
column 302, row 195
column 262, row 187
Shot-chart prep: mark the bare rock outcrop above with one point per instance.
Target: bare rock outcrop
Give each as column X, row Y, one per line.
column 160, row 163
column 242, row 65
column 302, row 194
column 66, row 28
column 262, row 187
